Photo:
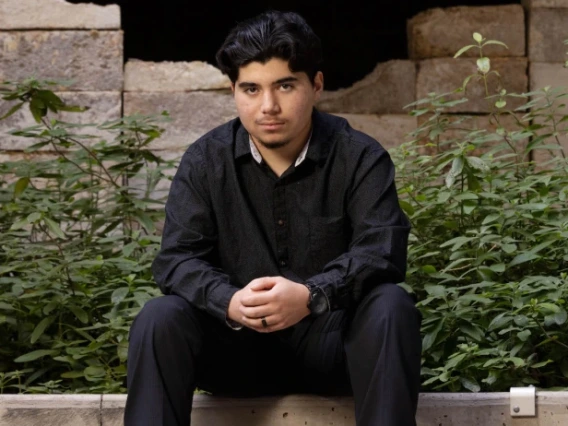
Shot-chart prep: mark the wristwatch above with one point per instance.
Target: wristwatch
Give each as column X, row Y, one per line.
column 318, row 302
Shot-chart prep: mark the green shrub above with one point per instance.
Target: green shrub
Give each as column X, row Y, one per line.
column 487, row 253
column 77, row 231
column 488, row 257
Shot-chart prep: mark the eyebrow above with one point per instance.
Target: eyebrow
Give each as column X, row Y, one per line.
column 248, row 84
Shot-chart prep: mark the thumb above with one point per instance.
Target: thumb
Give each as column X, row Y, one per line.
column 265, row 283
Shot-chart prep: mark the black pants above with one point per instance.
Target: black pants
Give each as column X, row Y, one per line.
column 372, row 353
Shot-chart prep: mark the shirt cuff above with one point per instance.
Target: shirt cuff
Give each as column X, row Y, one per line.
column 233, row 324
column 329, row 282
column 218, row 301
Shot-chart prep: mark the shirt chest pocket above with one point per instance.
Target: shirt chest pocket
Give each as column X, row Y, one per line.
column 328, row 239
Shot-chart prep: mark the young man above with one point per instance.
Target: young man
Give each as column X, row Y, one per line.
column 282, row 245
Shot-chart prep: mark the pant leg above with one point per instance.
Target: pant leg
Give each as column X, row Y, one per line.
column 175, row 348
column 372, row 353
column 383, row 349
column 165, row 340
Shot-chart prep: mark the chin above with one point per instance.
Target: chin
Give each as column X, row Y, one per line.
column 274, row 144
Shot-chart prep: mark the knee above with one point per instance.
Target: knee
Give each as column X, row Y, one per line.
column 391, row 302
column 165, row 313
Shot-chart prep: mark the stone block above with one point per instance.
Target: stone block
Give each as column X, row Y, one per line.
column 193, row 114
column 529, row 4
column 92, row 59
column 103, row 106
column 42, row 410
column 547, row 74
column 445, row 75
column 389, row 130
column 556, row 76
column 442, row 32
column 56, row 14
column 546, row 34
column 386, row 90
column 140, row 76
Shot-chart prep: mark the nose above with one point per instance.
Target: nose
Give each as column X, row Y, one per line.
column 270, row 103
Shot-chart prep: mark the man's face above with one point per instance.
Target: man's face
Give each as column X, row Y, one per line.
column 274, row 103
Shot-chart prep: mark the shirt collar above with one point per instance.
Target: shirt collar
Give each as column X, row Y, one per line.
column 258, row 158
column 316, row 149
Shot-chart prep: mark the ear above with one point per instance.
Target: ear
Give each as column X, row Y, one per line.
column 318, row 84
column 233, row 88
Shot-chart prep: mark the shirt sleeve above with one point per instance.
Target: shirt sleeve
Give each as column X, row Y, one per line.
column 378, row 247
column 185, row 265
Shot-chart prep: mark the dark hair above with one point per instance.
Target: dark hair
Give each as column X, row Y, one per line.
column 283, row 35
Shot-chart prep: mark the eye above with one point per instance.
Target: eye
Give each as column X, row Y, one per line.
column 251, row 90
column 285, row 87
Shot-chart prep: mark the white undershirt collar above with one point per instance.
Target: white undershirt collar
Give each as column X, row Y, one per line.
column 258, row 158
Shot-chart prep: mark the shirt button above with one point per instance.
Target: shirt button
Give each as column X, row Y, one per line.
column 281, row 222
column 283, row 263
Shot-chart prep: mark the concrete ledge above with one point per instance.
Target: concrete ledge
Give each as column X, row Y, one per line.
column 435, row 409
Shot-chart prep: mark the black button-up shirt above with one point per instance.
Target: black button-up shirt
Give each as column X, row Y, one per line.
column 333, row 221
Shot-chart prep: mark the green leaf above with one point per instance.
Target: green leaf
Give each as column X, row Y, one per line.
column 542, row 364
column 455, row 171
column 406, row 207
column 40, row 328
column 478, row 163
column 484, row 65
column 523, row 258
column 477, row 37
column 430, row 337
column 523, row 336
column 32, row 356
column 54, row 227
column 501, row 104
column 12, row 110
column 498, row 267
column 79, row 313
column 119, row 294
column 122, row 350
column 495, row 42
column 21, row 186
column 463, row 50
column 550, row 306
column 33, row 217
column 560, row 317
column 94, row 371
column 499, row 321
column 470, row 384
column 519, row 362
column 72, row 374
column 38, row 109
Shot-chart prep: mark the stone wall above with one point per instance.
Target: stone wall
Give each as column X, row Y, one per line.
column 55, row 39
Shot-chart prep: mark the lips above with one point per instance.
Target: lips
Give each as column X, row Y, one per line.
column 272, row 125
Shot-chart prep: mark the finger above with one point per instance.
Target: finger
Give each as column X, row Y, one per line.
column 262, row 325
column 256, row 299
column 265, row 283
column 256, row 311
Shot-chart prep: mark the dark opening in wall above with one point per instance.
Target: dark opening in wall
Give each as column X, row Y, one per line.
column 356, row 34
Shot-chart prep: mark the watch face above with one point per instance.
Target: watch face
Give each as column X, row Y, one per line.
column 318, row 303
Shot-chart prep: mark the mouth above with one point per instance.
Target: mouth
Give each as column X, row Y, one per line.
column 272, row 125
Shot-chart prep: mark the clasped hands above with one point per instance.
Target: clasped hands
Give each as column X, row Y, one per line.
column 281, row 302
